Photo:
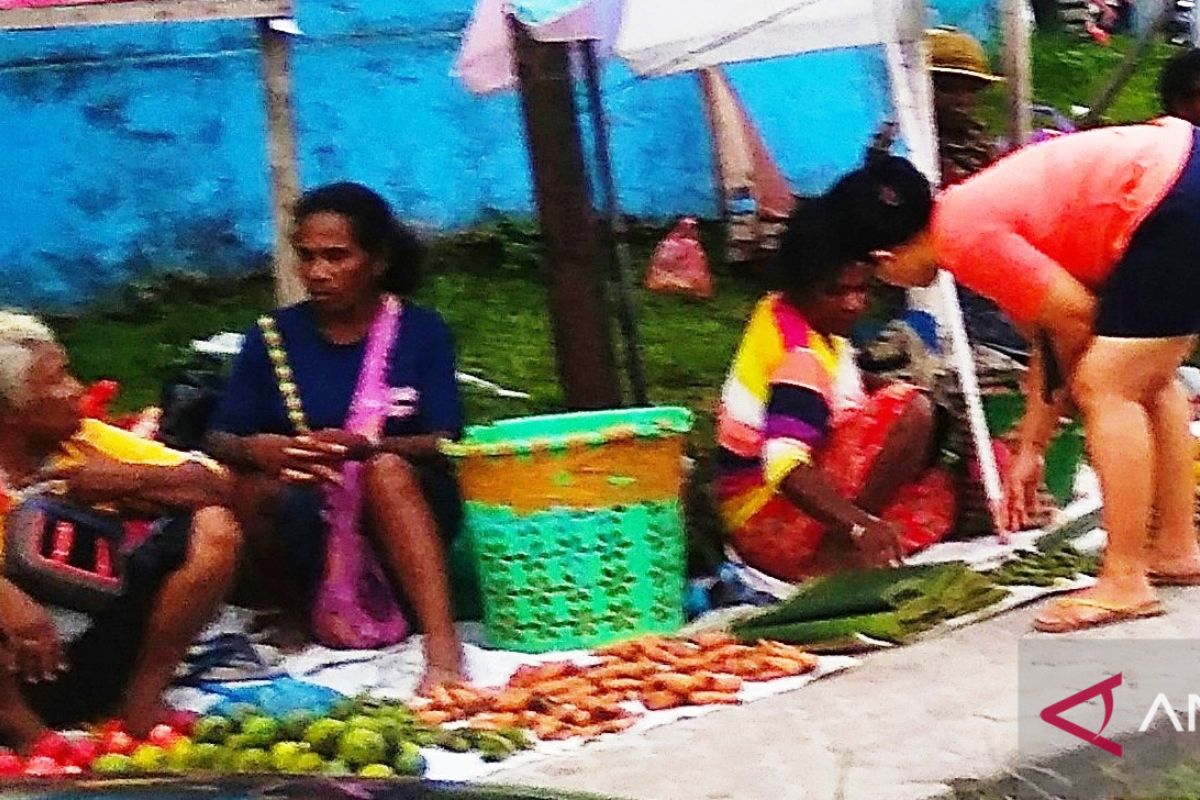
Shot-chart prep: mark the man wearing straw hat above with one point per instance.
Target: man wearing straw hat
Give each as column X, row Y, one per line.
column 960, row 72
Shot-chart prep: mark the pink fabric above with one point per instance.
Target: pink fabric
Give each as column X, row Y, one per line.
column 355, row 605
column 1071, row 203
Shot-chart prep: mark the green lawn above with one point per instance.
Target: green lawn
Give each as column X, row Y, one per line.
column 488, row 284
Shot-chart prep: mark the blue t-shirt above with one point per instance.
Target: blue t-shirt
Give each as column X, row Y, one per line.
column 326, row 374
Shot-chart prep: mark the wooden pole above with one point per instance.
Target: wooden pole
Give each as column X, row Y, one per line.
column 618, row 251
column 281, row 157
column 1018, row 70
column 578, row 306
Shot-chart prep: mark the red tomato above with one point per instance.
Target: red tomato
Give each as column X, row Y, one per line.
column 11, row 763
column 72, row 769
column 42, row 767
column 83, row 752
column 163, row 735
column 110, row 726
column 53, row 746
column 118, row 742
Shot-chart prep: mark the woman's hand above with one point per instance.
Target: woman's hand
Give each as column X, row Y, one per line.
column 357, row 448
column 298, row 459
column 31, row 648
column 1020, row 504
column 878, row 544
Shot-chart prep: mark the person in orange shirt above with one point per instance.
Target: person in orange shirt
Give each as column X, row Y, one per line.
column 173, row 581
column 1090, row 242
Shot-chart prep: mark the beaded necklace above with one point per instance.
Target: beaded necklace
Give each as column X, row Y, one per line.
column 283, row 374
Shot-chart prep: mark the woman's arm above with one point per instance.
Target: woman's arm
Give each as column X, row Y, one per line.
column 102, row 479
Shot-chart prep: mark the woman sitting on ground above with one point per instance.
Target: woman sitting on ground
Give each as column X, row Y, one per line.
column 332, row 418
column 821, row 467
column 172, row 583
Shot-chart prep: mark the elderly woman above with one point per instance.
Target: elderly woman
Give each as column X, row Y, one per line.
column 173, row 580
column 332, row 417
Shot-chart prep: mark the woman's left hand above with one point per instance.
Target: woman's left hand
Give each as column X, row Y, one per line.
column 358, row 448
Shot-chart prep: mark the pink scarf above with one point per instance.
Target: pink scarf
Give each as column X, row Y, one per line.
column 355, row 606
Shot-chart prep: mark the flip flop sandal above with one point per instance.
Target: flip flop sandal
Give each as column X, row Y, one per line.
column 1096, row 613
column 1179, row 579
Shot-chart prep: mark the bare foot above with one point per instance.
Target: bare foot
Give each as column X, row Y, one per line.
column 443, row 662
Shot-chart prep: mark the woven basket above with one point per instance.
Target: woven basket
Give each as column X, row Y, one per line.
column 576, row 523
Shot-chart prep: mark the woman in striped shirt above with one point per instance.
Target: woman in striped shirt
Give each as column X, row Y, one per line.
column 821, row 467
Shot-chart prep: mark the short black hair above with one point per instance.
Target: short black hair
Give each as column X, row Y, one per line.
column 1179, row 82
column 375, row 228
column 876, row 207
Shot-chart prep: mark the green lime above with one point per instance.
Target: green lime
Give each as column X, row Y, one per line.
column 255, row 759
column 260, row 731
column 212, row 729
column 113, row 764
column 208, row 756
column 376, row 771
column 310, row 763
column 410, row 764
column 359, row 747
column 180, row 754
column 149, row 758
column 337, row 769
column 324, row 734
column 284, row 755
column 295, row 723
column 370, row 723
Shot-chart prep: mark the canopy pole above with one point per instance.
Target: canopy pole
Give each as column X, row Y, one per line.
column 618, row 251
column 1018, row 71
column 578, row 306
column 281, row 157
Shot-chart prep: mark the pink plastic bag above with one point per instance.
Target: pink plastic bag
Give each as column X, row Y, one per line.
column 679, row 264
column 355, row 606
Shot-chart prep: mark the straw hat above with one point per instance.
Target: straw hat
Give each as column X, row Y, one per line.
column 953, row 52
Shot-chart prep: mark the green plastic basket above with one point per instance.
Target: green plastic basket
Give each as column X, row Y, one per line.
column 564, row 574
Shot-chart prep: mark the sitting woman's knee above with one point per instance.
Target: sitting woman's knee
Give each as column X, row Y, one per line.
column 390, row 469
column 216, row 538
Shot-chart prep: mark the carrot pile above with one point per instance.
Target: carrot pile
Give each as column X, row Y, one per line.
column 561, row 699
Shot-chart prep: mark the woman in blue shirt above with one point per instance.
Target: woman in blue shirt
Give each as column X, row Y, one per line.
column 286, row 420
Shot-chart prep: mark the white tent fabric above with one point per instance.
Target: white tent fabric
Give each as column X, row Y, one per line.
column 661, row 37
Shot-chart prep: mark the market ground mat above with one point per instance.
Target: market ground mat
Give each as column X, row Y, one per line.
column 253, row 787
column 392, row 675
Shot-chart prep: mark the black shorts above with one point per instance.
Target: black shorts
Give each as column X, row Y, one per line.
column 1154, row 292
column 101, row 661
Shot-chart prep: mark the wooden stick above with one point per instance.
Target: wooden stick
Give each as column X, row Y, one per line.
column 281, row 157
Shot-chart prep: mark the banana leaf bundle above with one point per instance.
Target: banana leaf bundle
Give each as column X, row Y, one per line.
column 887, row 604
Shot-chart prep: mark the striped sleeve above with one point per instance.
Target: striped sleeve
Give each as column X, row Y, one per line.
column 797, row 418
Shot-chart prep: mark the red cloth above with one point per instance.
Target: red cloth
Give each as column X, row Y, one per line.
column 781, row 540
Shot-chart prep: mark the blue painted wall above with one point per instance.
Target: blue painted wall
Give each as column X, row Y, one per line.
column 139, row 149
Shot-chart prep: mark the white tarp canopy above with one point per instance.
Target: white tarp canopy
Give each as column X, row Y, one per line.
column 661, row 37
